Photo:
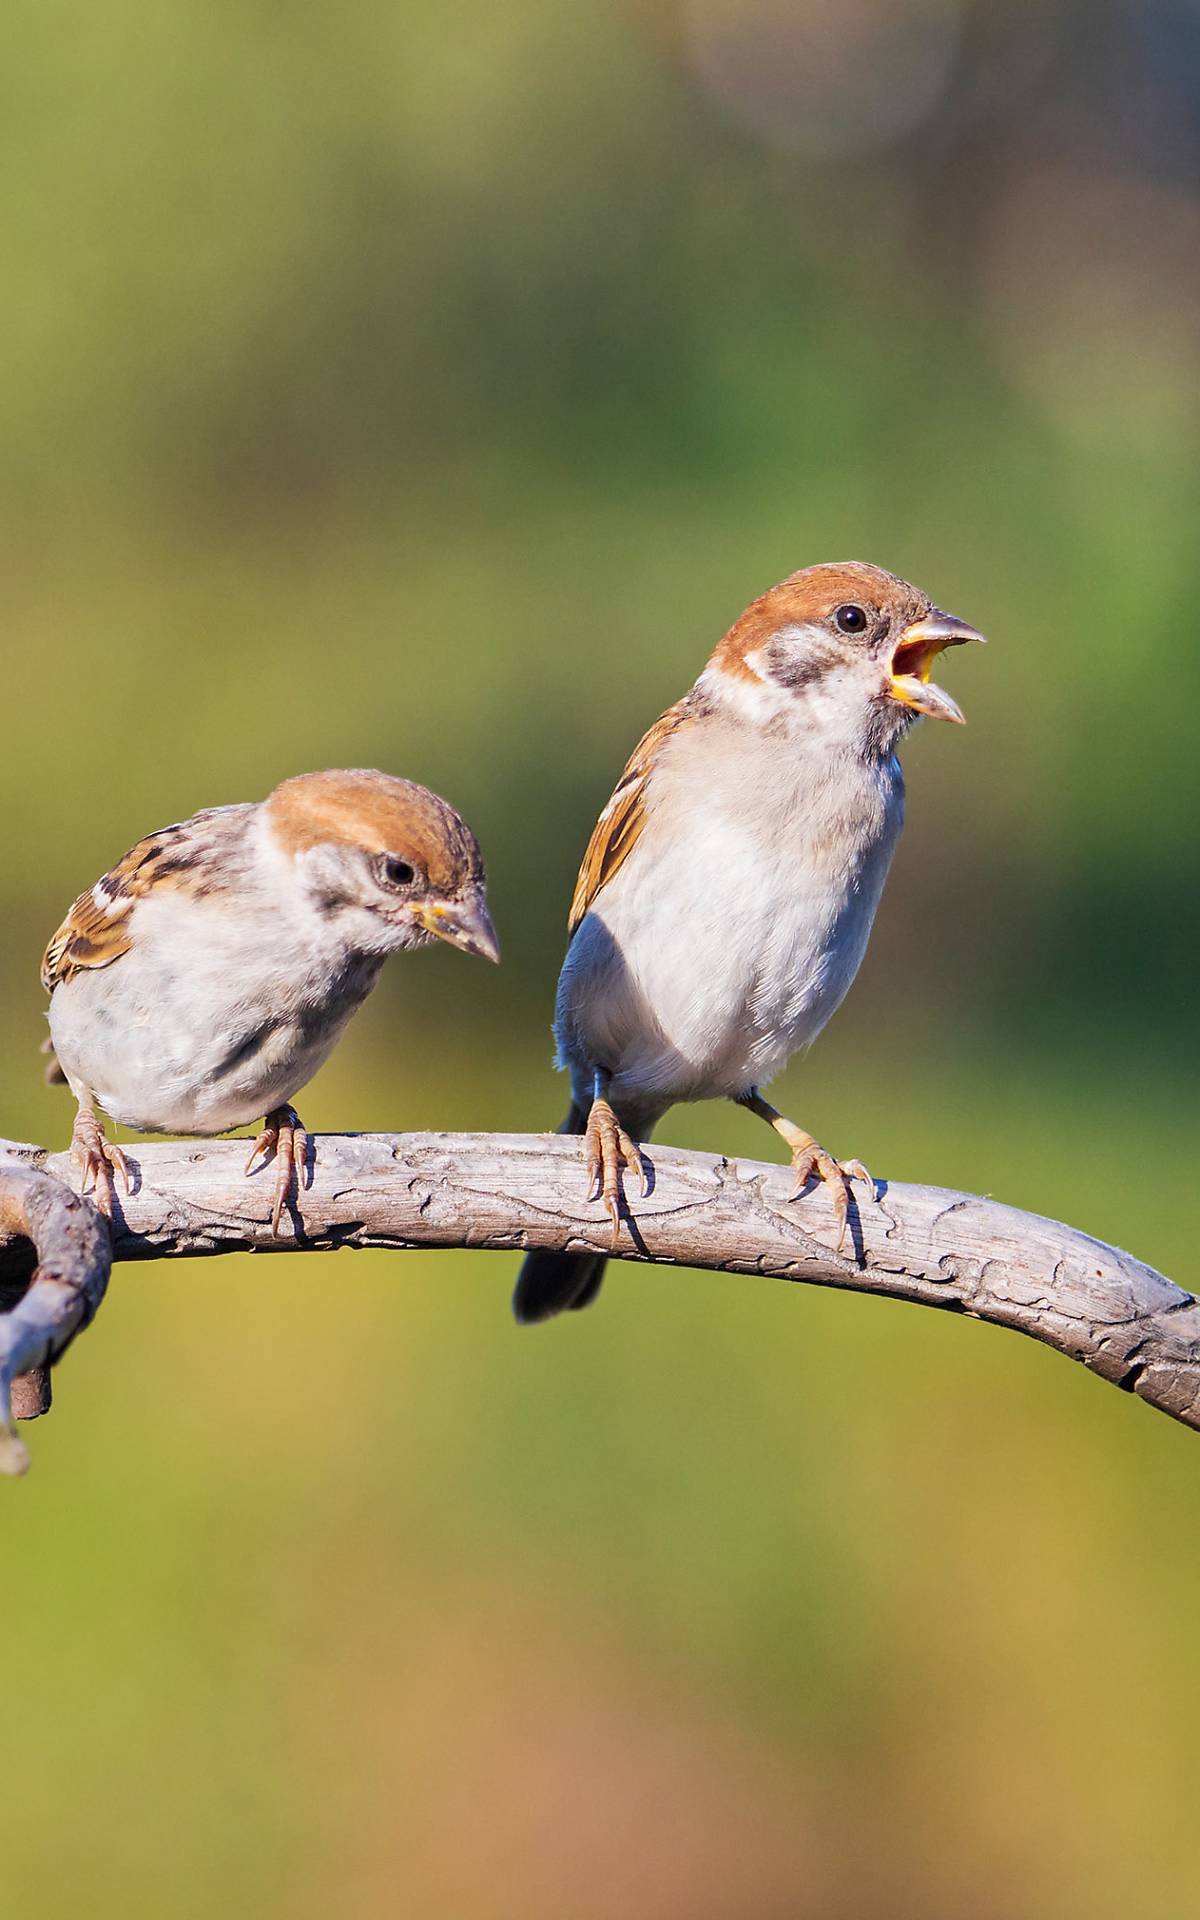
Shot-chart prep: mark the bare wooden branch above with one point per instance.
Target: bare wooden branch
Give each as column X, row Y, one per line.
column 42, row 1219
column 956, row 1251
column 32, row 1394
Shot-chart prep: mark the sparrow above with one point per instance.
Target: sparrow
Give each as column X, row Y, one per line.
column 204, row 979
column 727, row 893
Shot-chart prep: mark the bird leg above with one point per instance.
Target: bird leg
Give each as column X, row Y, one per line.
column 98, row 1158
column 810, row 1159
column 284, row 1137
column 608, row 1145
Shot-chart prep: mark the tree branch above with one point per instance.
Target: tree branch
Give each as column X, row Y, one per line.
column 1090, row 1301
column 41, row 1218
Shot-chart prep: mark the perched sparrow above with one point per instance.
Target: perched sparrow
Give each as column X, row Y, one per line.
column 202, row 982
column 727, row 893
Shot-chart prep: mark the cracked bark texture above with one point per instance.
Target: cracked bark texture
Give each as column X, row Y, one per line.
column 956, row 1251
column 57, row 1256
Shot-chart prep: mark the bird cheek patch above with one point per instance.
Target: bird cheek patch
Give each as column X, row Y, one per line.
column 793, row 659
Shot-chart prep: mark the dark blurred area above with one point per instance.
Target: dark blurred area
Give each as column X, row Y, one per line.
column 429, row 389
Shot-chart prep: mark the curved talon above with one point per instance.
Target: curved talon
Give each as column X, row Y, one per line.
column 293, row 1149
column 115, row 1159
column 809, row 1160
column 607, row 1145
column 99, row 1159
column 636, row 1163
column 265, row 1144
column 857, row 1171
column 284, row 1137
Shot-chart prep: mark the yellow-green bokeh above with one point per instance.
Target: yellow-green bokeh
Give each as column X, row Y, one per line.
column 396, row 386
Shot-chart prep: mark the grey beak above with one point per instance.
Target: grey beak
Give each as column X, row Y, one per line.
column 942, row 630
column 464, row 923
column 912, row 664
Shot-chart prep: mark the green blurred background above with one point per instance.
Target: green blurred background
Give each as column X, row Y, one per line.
column 428, row 387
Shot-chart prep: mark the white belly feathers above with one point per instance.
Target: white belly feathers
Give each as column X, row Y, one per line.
column 208, row 1046
column 734, row 929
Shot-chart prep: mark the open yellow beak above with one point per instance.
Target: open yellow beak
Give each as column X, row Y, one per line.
column 912, row 664
column 462, row 923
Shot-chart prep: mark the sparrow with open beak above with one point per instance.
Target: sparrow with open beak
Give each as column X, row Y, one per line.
column 728, row 891
column 202, row 982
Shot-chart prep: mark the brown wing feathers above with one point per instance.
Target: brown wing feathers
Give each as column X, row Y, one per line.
column 97, row 930
column 616, row 831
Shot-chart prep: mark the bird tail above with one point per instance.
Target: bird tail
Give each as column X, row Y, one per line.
column 551, row 1283
column 54, row 1075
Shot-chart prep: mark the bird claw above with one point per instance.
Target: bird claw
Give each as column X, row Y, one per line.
column 284, row 1138
column 99, row 1159
column 608, row 1146
column 811, row 1161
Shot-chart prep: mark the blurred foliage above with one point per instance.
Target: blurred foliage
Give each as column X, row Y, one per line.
column 429, row 388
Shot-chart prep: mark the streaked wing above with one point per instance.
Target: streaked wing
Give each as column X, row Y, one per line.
column 97, row 930
column 616, row 831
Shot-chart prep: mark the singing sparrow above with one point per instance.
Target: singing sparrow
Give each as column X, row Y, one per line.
column 201, row 983
column 728, row 890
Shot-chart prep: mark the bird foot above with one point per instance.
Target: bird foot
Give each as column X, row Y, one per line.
column 810, row 1161
column 99, row 1160
column 608, row 1147
column 283, row 1136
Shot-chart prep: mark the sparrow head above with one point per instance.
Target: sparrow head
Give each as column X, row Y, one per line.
column 392, row 860
column 844, row 646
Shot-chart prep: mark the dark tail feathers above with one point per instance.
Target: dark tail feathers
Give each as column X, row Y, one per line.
column 551, row 1283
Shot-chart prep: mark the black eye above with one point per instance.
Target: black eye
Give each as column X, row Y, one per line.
column 397, row 873
column 851, row 619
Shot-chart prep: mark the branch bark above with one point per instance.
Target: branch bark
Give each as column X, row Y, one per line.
column 42, row 1220
column 956, row 1251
